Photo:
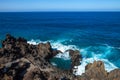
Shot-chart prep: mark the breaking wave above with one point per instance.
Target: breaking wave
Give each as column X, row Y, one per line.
column 89, row 54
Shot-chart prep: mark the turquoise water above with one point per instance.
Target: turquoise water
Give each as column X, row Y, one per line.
column 95, row 34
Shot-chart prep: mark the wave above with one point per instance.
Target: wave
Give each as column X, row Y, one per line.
column 89, row 54
column 55, row 44
column 81, row 68
column 35, row 42
column 95, row 53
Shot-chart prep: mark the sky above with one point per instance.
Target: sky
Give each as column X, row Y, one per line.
column 59, row 5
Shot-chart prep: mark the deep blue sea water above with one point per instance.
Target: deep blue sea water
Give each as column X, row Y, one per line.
column 95, row 34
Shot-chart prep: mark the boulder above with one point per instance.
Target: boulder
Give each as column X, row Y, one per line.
column 76, row 57
column 96, row 71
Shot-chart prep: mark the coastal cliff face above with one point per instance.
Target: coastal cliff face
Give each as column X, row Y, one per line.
column 22, row 61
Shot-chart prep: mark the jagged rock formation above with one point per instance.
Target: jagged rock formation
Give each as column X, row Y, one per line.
column 92, row 71
column 22, row 61
column 96, row 71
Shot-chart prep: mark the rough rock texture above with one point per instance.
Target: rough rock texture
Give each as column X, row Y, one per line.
column 95, row 71
column 76, row 57
column 22, row 61
column 114, row 75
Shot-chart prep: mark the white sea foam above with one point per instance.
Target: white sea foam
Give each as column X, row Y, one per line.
column 62, row 47
column 54, row 64
column 64, row 56
column 35, row 42
column 100, row 56
column 57, row 45
column 95, row 57
column 81, row 68
column 32, row 42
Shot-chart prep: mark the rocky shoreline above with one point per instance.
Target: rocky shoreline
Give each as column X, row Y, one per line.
column 22, row 61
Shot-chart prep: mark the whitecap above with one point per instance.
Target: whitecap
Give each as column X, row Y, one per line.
column 62, row 47
column 36, row 42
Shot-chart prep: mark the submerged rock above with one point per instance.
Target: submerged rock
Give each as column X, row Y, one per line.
column 22, row 61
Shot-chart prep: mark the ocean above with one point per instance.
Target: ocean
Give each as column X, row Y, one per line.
column 95, row 34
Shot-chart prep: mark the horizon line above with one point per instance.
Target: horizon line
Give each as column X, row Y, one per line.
column 59, row 11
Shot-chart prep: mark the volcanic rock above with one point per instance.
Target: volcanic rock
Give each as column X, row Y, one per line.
column 76, row 57
column 95, row 71
column 114, row 75
column 22, row 61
